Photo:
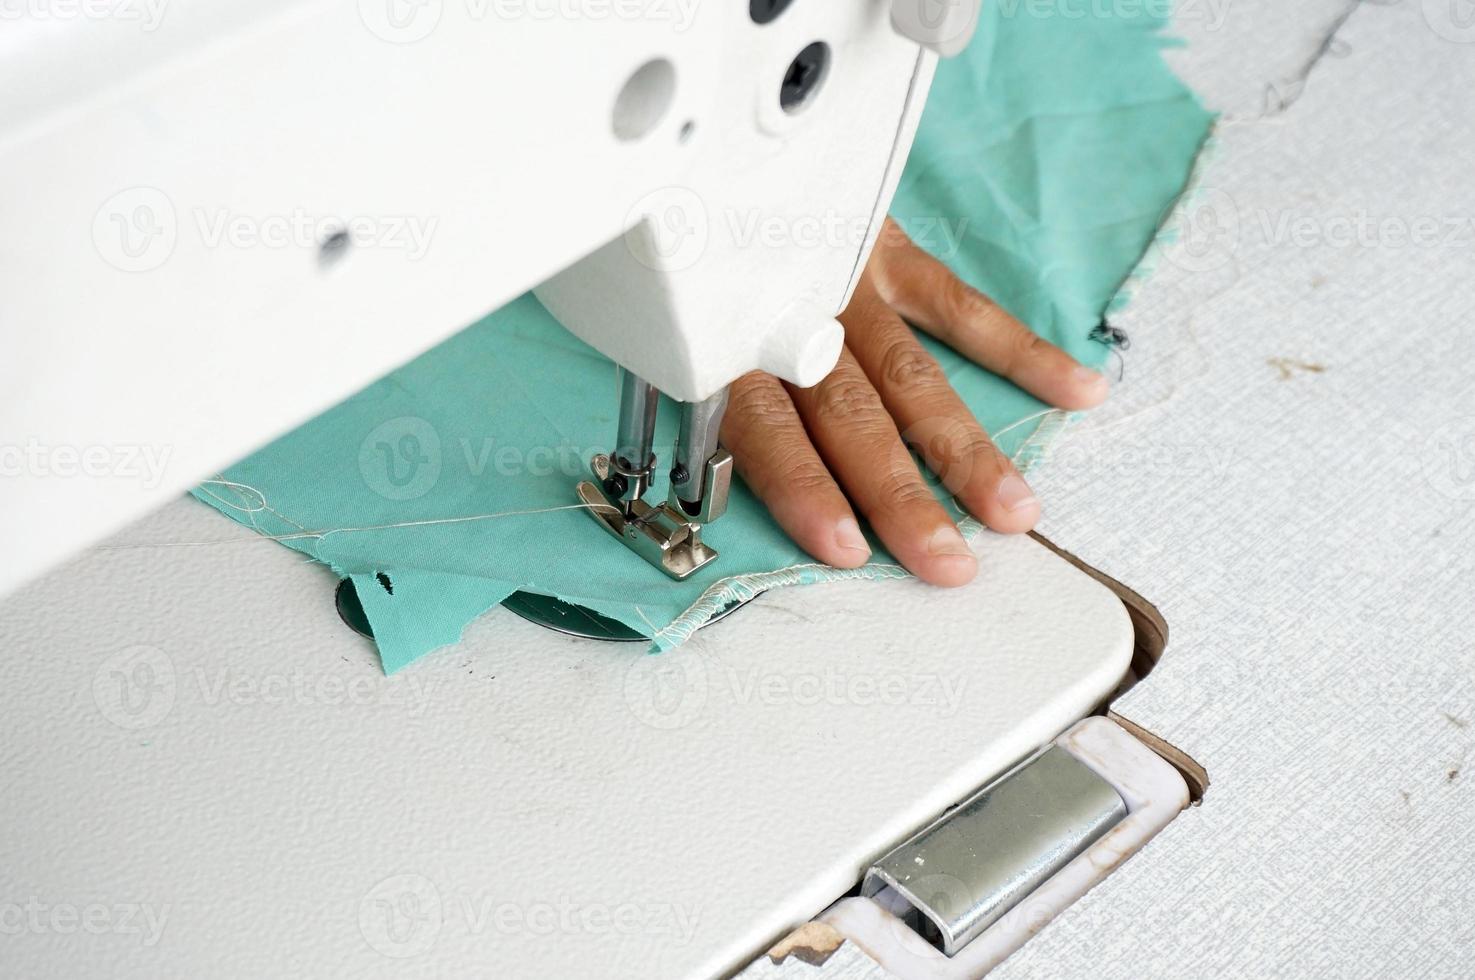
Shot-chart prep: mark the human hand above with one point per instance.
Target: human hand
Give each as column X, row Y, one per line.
column 805, row 451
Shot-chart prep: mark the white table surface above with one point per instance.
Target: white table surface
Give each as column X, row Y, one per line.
column 1308, row 534
column 198, row 754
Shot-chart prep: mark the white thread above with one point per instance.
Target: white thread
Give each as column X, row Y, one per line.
column 1024, row 421
column 320, row 535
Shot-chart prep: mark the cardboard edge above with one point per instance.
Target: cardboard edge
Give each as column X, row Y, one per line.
column 1150, row 632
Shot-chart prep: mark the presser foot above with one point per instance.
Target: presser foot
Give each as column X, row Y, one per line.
column 661, row 535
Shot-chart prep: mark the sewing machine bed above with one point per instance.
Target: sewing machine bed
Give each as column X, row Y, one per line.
column 198, row 744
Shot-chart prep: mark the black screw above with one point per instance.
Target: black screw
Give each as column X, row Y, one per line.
column 615, row 486
column 763, row 11
column 805, row 73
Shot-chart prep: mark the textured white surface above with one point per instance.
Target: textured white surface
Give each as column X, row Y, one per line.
column 192, row 731
column 1308, row 535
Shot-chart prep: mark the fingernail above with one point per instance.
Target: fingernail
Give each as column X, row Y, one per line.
column 1091, row 378
column 849, row 538
column 947, row 541
column 1014, row 494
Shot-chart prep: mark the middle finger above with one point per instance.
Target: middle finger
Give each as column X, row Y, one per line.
column 858, row 440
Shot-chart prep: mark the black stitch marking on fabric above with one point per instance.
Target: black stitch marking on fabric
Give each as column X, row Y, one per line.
column 1114, row 337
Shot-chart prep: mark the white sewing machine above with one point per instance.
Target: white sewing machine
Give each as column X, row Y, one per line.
column 223, row 218
column 239, row 214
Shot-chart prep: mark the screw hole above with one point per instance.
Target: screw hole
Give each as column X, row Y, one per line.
column 804, row 76
column 644, row 100
column 763, row 11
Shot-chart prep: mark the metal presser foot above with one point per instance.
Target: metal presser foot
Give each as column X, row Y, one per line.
column 669, row 535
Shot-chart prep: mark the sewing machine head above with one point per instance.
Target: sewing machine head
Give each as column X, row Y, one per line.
column 744, row 264
column 691, row 189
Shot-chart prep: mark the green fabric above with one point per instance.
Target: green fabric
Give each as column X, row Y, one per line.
column 1053, row 147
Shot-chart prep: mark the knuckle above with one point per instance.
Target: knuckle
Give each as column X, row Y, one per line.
column 844, row 395
column 906, row 364
column 809, row 479
column 901, row 487
column 1027, row 346
column 954, row 452
column 758, row 400
column 975, row 444
column 961, row 300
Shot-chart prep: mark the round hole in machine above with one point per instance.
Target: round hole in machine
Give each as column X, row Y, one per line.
column 644, row 100
column 333, row 247
column 804, row 76
column 763, row 11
